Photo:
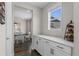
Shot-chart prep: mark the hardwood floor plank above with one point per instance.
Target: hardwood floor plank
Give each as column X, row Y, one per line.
column 23, row 49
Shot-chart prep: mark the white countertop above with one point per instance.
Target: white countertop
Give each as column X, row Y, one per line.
column 55, row 39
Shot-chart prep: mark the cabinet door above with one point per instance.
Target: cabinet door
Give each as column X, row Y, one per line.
column 35, row 42
column 41, row 46
column 57, row 52
column 47, row 50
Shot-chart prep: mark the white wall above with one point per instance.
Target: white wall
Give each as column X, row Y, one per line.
column 6, row 34
column 23, row 25
column 22, row 13
column 36, row 16
column 2, row 40
column 67, row 15
column 29, row 26
column 9, row 46
column 76, row 28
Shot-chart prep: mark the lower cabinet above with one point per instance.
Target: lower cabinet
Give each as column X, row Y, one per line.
column 41, row 46
column 48, row 48
column 35, row 42
column 56, row 52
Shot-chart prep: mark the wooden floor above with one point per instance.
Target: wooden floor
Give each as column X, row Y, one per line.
column 23, row 49
column 26, row 53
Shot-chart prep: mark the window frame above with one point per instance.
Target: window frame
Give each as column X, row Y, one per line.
column 49, row 15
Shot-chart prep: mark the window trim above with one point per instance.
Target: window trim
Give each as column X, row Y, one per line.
column 49, row 12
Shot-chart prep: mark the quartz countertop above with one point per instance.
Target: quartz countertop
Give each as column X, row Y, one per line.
column 58, row 40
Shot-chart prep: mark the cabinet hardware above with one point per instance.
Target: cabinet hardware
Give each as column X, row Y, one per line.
column 60, row 47
column 52, row 51
column 47, row 42
column 37, row 42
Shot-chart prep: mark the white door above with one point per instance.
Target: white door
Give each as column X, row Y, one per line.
column 9, row 29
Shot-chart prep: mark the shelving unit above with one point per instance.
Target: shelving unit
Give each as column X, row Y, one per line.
column 2, row 13
column 69, row 32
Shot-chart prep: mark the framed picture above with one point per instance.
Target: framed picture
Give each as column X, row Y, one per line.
column 2, row 13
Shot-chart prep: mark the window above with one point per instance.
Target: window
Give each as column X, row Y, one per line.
column 55, row 18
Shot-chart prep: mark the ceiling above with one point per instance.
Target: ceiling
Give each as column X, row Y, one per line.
column 22, row 13
column 38, row 4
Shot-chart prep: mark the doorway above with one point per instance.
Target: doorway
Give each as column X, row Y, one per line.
column 22, row 31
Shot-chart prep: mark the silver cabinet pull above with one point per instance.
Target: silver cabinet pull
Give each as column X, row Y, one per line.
column 47, row 42
column 60, row 47
column 37, row 42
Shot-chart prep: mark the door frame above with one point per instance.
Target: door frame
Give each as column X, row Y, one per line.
column 13, row 5
column 9, row 42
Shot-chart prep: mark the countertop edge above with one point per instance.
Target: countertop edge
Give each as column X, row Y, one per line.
column 56, row 39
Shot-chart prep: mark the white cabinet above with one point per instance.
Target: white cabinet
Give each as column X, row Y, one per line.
column 41, row 46
column 47, row 47
column 62, row 48
column 34, row 42
column 58, row 50
column 44, row 47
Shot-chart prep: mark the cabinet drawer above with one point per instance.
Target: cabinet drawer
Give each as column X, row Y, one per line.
column 61, row 47
column 57, row 52
column 60, row 53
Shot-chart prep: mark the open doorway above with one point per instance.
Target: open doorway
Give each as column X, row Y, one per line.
column 22, row 31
